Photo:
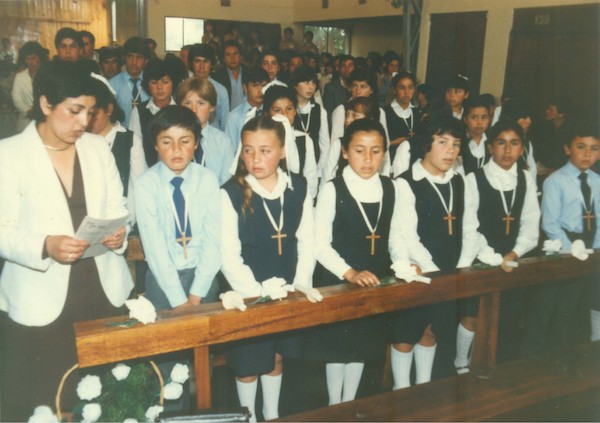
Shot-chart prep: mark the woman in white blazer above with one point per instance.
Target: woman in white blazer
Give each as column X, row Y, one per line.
column 51, row 176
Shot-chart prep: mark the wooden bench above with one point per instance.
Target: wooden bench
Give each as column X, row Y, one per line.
column 533, row 388
column 210, row 324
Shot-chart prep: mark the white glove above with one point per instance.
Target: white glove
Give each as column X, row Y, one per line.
column 552, row 246
column 490, row 258
column 408, row 273
column 579, row 251
column 274, row 288
column 231, row 300
column 312, row 294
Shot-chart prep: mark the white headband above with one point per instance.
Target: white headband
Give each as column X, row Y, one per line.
column 105, row 82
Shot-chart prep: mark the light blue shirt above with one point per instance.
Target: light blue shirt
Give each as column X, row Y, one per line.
column 235, row 123
column 156, row 223
column 222, row 109
column 562, row 204
column 124, row 87
column 237, row 91
column 218, row 155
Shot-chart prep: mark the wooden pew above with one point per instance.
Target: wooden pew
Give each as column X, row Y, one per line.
column 530, row 389
column 210, row 324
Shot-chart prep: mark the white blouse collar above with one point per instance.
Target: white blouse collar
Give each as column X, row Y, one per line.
column 478, row 150
column 419, row 172
column 506, row 179
column 400, row 111
column 363, row 190
column 282, row 184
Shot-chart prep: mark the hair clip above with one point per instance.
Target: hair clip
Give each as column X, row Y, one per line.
column 463, row 77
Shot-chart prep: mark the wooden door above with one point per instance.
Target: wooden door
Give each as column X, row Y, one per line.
column 554, row 51
column 456, row 47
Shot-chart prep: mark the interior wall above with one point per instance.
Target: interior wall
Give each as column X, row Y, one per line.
column 39, row 20
column 499, row 24
column 312, row 10
column 377, row 35
column 267, row 11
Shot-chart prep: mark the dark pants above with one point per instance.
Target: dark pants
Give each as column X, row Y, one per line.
column 549, row 316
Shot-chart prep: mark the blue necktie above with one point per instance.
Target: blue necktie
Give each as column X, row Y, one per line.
column 179, row 202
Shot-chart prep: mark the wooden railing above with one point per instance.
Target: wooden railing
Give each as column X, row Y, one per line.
column 210, row 324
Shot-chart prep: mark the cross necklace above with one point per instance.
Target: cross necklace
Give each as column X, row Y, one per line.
column 183, row 239
column 449, row 217
column 507, row 217
column 589, row 214
column 373, row 230
column 278, row 227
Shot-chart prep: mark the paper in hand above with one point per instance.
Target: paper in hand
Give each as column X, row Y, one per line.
column 95, row 230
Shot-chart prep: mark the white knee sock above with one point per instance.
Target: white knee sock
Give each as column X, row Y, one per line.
column 271, row 387
column 335, row 382
column 464, row 339
column 247, row 395
column 401, row 364
column 352, row 375
column 595, row 316
column 424, row 357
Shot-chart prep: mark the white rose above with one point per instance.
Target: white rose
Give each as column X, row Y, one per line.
column 43, row 414
column 153, row 412
column 180, row 373
column 130, row 421
column 121, row 371
column 91, row 412
column 89, row 388
column 173, row 391
column 142, row 310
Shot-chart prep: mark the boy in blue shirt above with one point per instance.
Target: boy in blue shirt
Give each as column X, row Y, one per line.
column 179, row 216
column 569, row 205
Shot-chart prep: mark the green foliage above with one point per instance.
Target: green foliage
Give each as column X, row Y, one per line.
column 128, row 398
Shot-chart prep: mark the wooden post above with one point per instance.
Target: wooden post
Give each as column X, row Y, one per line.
column 486, row 337
column 202, row 366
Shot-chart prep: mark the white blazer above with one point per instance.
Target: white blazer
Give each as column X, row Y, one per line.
column 33, row 206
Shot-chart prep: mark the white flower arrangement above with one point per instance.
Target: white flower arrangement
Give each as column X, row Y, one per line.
column 124, row 388
column 141, row 309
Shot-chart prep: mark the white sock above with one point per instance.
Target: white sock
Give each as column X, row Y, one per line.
column 271, row 387
column 424, row 357
column 401, row 364
column 464, row 339
column 352, row 374
column 595, row 316
column 247, row 395
column 335, row 382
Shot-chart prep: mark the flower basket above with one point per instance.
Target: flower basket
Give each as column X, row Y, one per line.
column 119, row 396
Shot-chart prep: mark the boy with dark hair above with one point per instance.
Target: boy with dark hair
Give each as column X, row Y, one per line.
column 128, row 83
column 253, row 82
column 201, row 59
column 569, row 206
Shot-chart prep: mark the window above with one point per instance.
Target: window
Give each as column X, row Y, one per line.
column 330, row 39
column 182, row 31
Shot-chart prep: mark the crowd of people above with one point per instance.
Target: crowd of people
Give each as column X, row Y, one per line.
column 251, row 175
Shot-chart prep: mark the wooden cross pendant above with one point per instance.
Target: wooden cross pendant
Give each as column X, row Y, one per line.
column 373, row 237
column 507, row 219
column 279, row 236
column 183, row 240
column 589, row 216
column 449, row 218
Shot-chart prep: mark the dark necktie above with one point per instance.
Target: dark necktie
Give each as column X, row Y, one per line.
column 586, row 191
column 134, row 92
column 179, row 202
column 199, row 153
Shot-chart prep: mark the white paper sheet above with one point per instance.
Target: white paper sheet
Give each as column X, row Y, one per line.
column 95, row 230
